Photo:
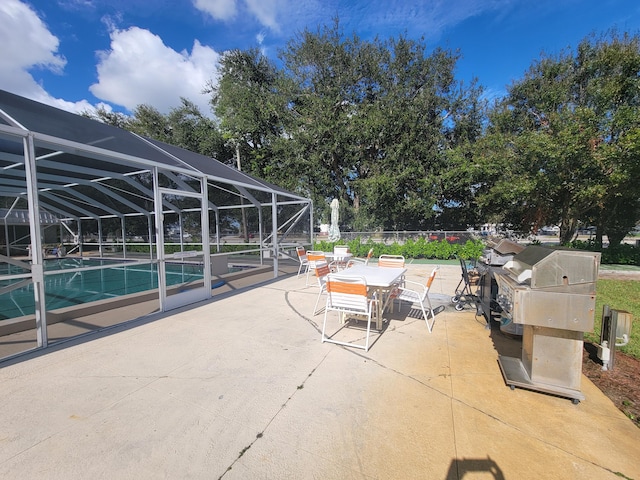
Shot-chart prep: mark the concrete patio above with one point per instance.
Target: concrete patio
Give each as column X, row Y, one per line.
column 241, row 387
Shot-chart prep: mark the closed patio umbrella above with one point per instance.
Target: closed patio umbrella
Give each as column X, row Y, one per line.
column 334, row 230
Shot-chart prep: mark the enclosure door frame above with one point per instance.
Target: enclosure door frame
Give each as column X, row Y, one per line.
column 192, row 295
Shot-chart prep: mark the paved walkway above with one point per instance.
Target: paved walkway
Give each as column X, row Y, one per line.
column 242, row 388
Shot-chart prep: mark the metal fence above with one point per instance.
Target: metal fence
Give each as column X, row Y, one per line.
column 390, row 237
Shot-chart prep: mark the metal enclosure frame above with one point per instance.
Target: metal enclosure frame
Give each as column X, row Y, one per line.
column 55, row 164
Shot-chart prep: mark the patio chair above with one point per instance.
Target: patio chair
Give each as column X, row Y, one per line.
column 364, row 261
column 313, row 258
column 419, row 295
column 340, row 262
column 393, row 261
column 302, row 257
column 322, row 270
column 348, row 296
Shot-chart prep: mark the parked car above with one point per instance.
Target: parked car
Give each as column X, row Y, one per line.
column 549, row 230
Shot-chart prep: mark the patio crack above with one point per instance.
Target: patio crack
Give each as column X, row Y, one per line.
column 305, row 318
column 259, row 435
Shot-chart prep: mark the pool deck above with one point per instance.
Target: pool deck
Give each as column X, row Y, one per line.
column 241, row 387
column 18, row 334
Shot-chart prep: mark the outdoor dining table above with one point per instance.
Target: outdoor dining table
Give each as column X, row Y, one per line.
column 341, row 257
column 380, row 279
column 337, row 256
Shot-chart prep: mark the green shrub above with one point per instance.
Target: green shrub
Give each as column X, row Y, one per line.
column 421, row 248
column 471, row 250
column 137, row 248
column 394, row 249
column 170, row 249
column 414, row 249
column 622, row 254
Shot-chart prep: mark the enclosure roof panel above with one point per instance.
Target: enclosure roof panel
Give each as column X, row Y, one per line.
column 77, row 148
column 44, row 119
column 215, row 169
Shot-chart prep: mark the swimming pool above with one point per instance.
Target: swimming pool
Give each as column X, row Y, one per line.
column 82, row 280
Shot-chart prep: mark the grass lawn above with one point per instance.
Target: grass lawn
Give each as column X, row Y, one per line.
column 619, row 295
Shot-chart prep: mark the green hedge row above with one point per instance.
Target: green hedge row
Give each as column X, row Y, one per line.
column 622, row 254
column 421, row 248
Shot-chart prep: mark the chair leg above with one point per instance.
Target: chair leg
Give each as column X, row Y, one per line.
column 426, row 317
column 365, row 347
column 324, row 325
column 315, row 308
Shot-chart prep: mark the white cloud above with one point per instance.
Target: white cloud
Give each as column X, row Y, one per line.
column 387, row 16
column 394, row 17
column 493, row 94
column 25, row 39
column 267, row 12
column 27, row 43
column 140, row 69
column 218, row 9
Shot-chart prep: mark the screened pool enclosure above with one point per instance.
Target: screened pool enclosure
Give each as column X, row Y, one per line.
column 74, row 188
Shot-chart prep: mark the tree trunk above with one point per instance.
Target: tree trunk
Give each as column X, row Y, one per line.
column 599, row 231
column 567, row 230
column 616, row 237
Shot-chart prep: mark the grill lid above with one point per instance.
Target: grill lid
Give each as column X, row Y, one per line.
column 508, row 247
column 543, row 267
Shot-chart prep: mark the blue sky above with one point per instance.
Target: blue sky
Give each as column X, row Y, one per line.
column 79, row 54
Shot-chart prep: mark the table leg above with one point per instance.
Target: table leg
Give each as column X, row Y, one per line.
column 380, row 308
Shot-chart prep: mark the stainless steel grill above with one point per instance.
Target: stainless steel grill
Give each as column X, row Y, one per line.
column 551, row 293
column 497, row 254
column 490, row 263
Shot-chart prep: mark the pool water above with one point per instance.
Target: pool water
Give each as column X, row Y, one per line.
column 72, row 287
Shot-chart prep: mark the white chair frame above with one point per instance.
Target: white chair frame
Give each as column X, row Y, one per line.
column 340, row 262
column 347, row 295
column 302, row 257
column 365, row 261
column 419, row 296
column 394, row 261
column 314, row 257
column 322, row 270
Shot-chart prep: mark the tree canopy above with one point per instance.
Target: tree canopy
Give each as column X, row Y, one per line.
column 385, row 127
column 566, row 141
column 366, row 122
